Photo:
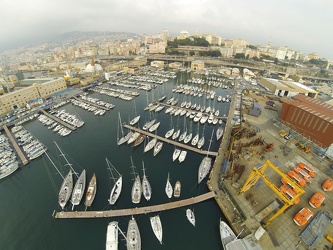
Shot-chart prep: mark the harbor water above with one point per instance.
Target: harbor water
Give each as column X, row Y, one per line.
column 30, row 195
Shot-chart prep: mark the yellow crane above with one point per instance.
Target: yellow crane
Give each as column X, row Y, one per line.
column 259, row 173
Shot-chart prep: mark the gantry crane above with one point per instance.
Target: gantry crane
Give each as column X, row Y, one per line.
column 259, row 173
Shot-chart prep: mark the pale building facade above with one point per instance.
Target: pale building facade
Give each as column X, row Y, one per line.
column 197, row 65
column 21, row 97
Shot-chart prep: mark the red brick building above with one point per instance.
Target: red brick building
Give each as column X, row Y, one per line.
column 309, row 117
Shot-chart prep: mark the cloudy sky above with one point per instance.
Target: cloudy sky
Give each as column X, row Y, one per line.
column 303, row 25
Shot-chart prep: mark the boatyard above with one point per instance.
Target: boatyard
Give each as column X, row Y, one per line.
column 250, row 210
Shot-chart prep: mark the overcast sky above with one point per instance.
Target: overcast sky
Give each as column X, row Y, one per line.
column 303, row 25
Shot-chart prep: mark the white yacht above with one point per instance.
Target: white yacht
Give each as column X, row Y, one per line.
column 226, row 233
column 133, row 237
column 154, row 127
column 195, row 140
column 158, row 147
column 148, row 124
column 182, row 136
column 112, row 236
column 79, row 188
column 146, row 188
column 176, row 134
column 66, row 189
column 133, row 137
column 135, row 120
column 136, row 188
column 219, row 133
column 204, row 168
column 188, row 138
column 156, row 225
column 150, row 145
column 190, row 216
column 118, row 183
column 176, row 154
column 168, row 188
column 169, row 133
column 182, row 156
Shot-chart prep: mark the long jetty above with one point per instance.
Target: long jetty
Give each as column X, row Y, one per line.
column 16, row 147
column 90, row 103
column 181, row 145
column 134, row 211
column 59, row 120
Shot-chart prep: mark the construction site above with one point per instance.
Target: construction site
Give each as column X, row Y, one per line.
column 260, row 187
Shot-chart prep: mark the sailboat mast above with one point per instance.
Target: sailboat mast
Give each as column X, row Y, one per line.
column 54, row 165
column 69, row 164
column 210, row 141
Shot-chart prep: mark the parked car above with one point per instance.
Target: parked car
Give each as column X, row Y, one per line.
column 298, row 179
column 307, row 168
column 327, row 184
column 317, row 200
column 303, row 216
column 290, row 193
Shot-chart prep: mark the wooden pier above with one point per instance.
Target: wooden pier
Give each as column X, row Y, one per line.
column 181, row 145
column 58, row 120
column 90, row 103
column 134, row 211
column 16, row 147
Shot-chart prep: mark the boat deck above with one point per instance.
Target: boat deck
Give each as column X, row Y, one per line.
column 58, row 120
column 91, row 103
column 134, row 211
column 181, row 145
column 16, row 147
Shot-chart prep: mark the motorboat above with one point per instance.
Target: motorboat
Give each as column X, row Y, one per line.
column 177, row 189
column 112, row 236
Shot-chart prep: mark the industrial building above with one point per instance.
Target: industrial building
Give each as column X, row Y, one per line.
column 309, row 117
column 287, row 88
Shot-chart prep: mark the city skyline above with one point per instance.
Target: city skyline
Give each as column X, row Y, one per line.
column 298, row 25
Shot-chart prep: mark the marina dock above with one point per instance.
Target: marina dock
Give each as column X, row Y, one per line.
column 181, row 145
column 134, row 211
column 16, row 147
column 58, row 120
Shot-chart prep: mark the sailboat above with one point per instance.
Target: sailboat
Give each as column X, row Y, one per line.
column 66, row 186
column 136, row 118
column 176, row 154
column 195, row 139
column 182, row 156
column 154, row 127
column 183, row 135
column 116, row 189
column 146, row 188
column 148, row 124
column 91, row 191
column 124, row 138
column 112, row 236
column 133, row 137
column 219, row 133
column 80, row 184
column 156, row 225
column 158, row 147
column 78, row 189
column 201, row 141
column 205, row 164
column 136, row 188
column 177, row 189
column 150, row 145
column 190, row 216
column 226, row 233
column 189, row 136
column 170, row 132
column 168, row 188
column 133, row 236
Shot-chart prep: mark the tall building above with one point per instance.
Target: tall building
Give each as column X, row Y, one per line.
column 164, row 35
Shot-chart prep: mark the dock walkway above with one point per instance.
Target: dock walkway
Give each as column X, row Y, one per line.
column 58, row 120
column 134, row 211
column 90, row 103
column 16, row 147
column 181, row 145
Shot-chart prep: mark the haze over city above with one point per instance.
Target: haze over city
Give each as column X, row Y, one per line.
column 300, row 25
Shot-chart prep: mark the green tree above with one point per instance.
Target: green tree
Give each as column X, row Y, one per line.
column 240, row 56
